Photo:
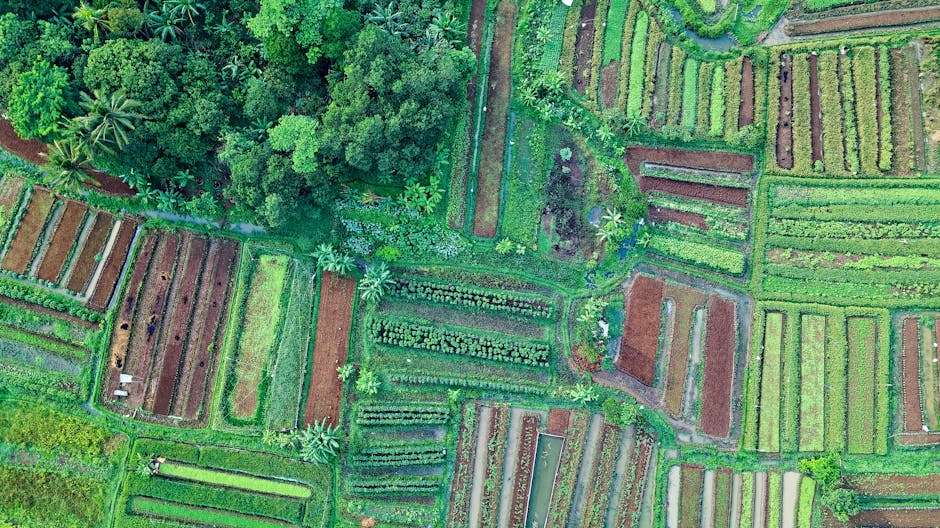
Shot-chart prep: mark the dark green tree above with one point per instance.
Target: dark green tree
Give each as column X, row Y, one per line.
column 37, row 100
column 316, row 28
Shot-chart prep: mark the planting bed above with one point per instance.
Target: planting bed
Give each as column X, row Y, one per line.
column 334, row 319
column 880, row 19
column 584, row 47
column 920, row 380
column 525, row 463
column 640, row 346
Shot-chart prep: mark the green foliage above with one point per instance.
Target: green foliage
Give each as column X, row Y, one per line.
column 38, row 99
column 842, row 502
column 422, row 198
column 710, row 256
column 191, row 514
column 399, row 454
column 826, row 470
column 637, row 65
column 717, row 102
column 39, row 497
column 689, row 93
column 583, row 393
column 367, row 383
column 613, row 31
column 622, row 413
column 398, row 485
column 375, row 283
column 487, row 299
column 41, row 427
column 317, row 28
column 319, row 442
column 232, row 480
column 407, row 513
column 401, row 414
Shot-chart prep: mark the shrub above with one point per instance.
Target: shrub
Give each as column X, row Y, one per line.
column 515, row 303
column 42, row 427
column 397, row 454
column 37, row 100
column 385, row 414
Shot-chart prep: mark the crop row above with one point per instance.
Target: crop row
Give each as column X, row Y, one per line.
column 722, row 179
column 201, row 516
column 852, row 230
column 394, row 512
column 414, row 334
column 568, row 468
column 399, row 454
column 417, row 377
column 502, row 301
column 216, row 477
column 602, row 478
column 709, row 255
column 722, row 220
column 495, row 456
column 461, row 487
column 377, row 414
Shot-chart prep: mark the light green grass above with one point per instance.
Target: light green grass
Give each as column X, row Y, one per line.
column 863, row 344
column 812, row 382
column 769, row 426
column 716, row 120
column 774, row 498
column 708, row 6
column 708, row 255
column 203, row 516
column 234, row 480
column 747, row 499
column 804, row 516
column 689, row 93
column 613, row 33
column 866, row 108
column 637, row 65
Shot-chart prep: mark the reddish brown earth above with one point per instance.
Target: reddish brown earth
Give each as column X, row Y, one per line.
column 524, row 465
column 630, row 505
column 720, row 344
column 640, row 342
column 691, row 159
column 148, row 317
column 686, row 301
column 178, row 325
column 558, row 420
column 584, row 47
column 609, row 78
column 125, row 317
column 330, row 348
column 724, row 195
column 85, row 261
column 910, row 371
column 913, row 518
column 882, row 485
column 918, row 439
column 457, row 515
column 28, row 231
column 61, row 242
column 663, row 215
column 113, row 265
column 785, row 114
column 209, row 324
column 693, row 478
column 746, row 110
column 493, row 146
column 878, row 19
column 815, row 108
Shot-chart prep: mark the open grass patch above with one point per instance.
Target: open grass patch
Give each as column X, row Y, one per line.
column 233, row 480
column 202, row 516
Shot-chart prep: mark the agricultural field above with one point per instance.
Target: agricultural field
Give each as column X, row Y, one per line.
column 470, row 264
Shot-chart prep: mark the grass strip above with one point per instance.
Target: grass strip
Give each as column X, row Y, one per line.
column 769, row 427
column 812, row 382
column 234, row 480
column 203, row 516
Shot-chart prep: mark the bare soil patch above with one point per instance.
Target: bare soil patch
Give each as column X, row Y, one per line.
column 113, row 266
column 691, row 159
column 640, row 343
column 686, row 300
column 720, row 345
column 558, row 420
column 785, row 114
column 86, row 260
column 30, row 227
column 61, row 242
column 584, row 47
column 665, row 216
column 910, row 518
column 887, row 485
column 29, row 149
column 493, row 146
column 880, row 19
column 815, row 108
column 910, row 371
column 609, row 82
column 713, row 193
column 746, row 110
column 330, row 348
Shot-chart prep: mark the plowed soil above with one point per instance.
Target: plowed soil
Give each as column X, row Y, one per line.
column 558, row 420
column 910, row 369
column 881, row 485
column 330, row 348
column 178, row 325
column 661, row 215
column 815, row 108
column 609, row 84
column 111, row 272
column 692, row 159
column 686, row 300
column 690, row 501
column 913, row 518
column 640, row 343
column 525, row 463
column 86, row 261
column 493, row 146
column 28, row 231
column 720, row 344
column 207, row 330
column 584, row 47
column 746, row 110
column 61, row 242
column 724, row 195
column 879, row 19
column 785, row 114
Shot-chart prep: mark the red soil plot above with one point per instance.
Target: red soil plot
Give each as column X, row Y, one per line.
column 558, row 420
column 608, row 84
column 640, row 343
column 815, row 108
column 785, row 112
column 28, row 231
column 86, row 260
column 908, row 518
column 206, row 329
column 524, row 465
column 661, row 215
column 910, row 371
column 720, row 343
column 178, row 325
column 584, row 47
column 61, row 242
column 330, row 348
column 746, row 110
column 878, row 19
column 886, row 485
column 712, row 193
column 493, row 147
column 111, row 271
column 692, row 159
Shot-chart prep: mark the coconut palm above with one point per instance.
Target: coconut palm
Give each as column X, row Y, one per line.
column 319, row 442
column 67, row 164
column 377, row 280
column 165, row 24
column 186, row 8
column 108, row 119
column 388, row 18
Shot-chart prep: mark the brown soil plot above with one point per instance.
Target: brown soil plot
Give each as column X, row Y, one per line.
column 910, row 369
column 29, row 149
column 640, row 343
column 713, row 193
column 874, row 485
column 912, row 518
column 493, row 146
column 692, row 159
column 661, row 215
column 584, row 47
column 785, row 112
column 61, row 242
column 86, row 260
column 687, row 300
column 20, row 253
column 558, row 420
column 720, row 344
column 879, row 19
column 746, row 110
column 690, row 499
column 330, row 348
column 111, row 271
column 815, row 108
column 608, row 84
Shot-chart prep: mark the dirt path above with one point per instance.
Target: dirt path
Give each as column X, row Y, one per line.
column 647, row 513
column 791, row 498
column 736, row 482
column 672, row 497
column 708, row 499
column 624, row 460
column 509, row 466
column 585, row 472
column 479, row 465
column 760, row 500
column 695, row 360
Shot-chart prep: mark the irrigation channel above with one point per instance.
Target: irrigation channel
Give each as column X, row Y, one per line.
column 547, row 457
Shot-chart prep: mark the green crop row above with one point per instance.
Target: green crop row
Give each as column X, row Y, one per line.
column 812, row 382
column 732, row 98
column 674, row 108
column 708, row 255
column 202, row 516
column 858, row 230
column 417, row 377
column 637, row 65
column 861, row 213
column 863, row 74
column 551, row 53
column 385, row 485
column 653, row 43
column 831, row 105
column 502, row 301
column 849, row 117
column 886, row 147
column 626, row 54
column 804, row 515
column 393, row 512
column 861, row 193
column 722, row 179
column 396, row 454
column 862, row 391
column 802, row 146
column 704, row 90
column 597, row 51
column 14, row 289
column 33, row 381
column 716, row 112
column 774, row 498
column 729, row 220
column 233, row 480
column 378, row 414
column 613, row 34
column 420, row 335
column 689, row 93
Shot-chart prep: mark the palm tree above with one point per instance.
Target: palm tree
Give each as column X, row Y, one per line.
column 165, row 24
column 341, row 264
column 387, row 18
column 92, row 19
column 109, row 119
column 67, row 162
column 319, row 442
column 187, row 8
column 375, row 283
